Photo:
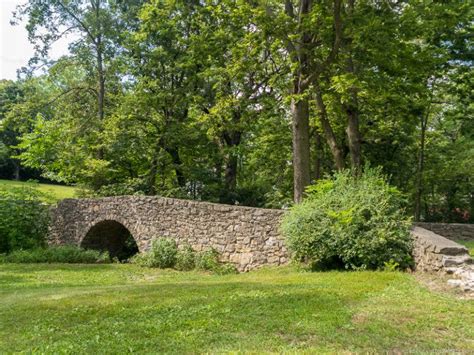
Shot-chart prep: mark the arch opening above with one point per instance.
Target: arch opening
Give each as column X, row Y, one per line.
column 111, row 236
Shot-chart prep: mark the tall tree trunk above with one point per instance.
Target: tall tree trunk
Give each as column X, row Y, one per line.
column 100, row 82
column 352, row 129
column 16, row 169
column 177, row 165
column 334, row 147
column 352, row 108
column 420, row 167
column 100, row 75
column 231, row 139
column 299, row 105
column 230, row 180
column 354, row 139
column 301, row 151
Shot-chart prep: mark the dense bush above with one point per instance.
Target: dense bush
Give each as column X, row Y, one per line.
column 59, row 254
column 186, row 259
column 209, row 261
column 350, row 222
column 24, row 218
column 164, row 253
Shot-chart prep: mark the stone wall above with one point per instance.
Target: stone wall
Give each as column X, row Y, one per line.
column 432, row 252
column 453, row 231
column 247, row 237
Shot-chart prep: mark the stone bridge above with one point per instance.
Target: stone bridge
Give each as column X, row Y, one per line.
column 247, row 237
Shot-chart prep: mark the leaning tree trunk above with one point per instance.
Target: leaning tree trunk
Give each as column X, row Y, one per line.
column 329, row 134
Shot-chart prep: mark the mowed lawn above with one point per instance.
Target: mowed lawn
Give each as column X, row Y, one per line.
column 124, row 308
column 57, row 192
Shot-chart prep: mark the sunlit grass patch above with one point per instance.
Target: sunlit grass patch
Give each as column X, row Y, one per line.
column 119, row 308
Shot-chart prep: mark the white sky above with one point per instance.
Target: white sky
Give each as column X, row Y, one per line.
column 15, row 49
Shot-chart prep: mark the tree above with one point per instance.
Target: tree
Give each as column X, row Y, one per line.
column 310, row 35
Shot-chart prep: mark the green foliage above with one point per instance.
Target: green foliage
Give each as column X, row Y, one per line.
column 58, row 254
column 164, row 253
column 469, row 244
column 186, row 259
column 196, row 98
column 140, row 259
column 209, row 261
column 128, row 187
column 24, row 218
column 350, row 222
column 391, row 265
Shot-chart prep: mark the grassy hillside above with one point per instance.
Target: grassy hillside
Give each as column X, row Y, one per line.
column 119, row 308
column 57, row 192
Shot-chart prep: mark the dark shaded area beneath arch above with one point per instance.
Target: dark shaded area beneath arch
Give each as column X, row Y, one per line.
column 113, row 237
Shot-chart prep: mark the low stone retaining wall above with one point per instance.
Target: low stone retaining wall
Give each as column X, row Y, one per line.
column 433, row 252
column 453, row 231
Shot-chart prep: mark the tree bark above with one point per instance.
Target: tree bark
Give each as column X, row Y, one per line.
column 299, row 105
column 232, row 140
column 100, row 74
column 100, row 65
column 352, row 108
column 101, row 87
column 16, row 170
column 329, row 134
column 177, row 165
column 420, row 167
column 353, row 136
column 301, row 151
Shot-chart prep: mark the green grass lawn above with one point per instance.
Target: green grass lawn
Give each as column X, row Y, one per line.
column 57, row 192
column 124, row 308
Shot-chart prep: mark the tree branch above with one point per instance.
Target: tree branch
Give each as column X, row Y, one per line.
column 78, row 20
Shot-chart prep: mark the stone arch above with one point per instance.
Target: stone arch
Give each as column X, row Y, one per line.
column 112, row 236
